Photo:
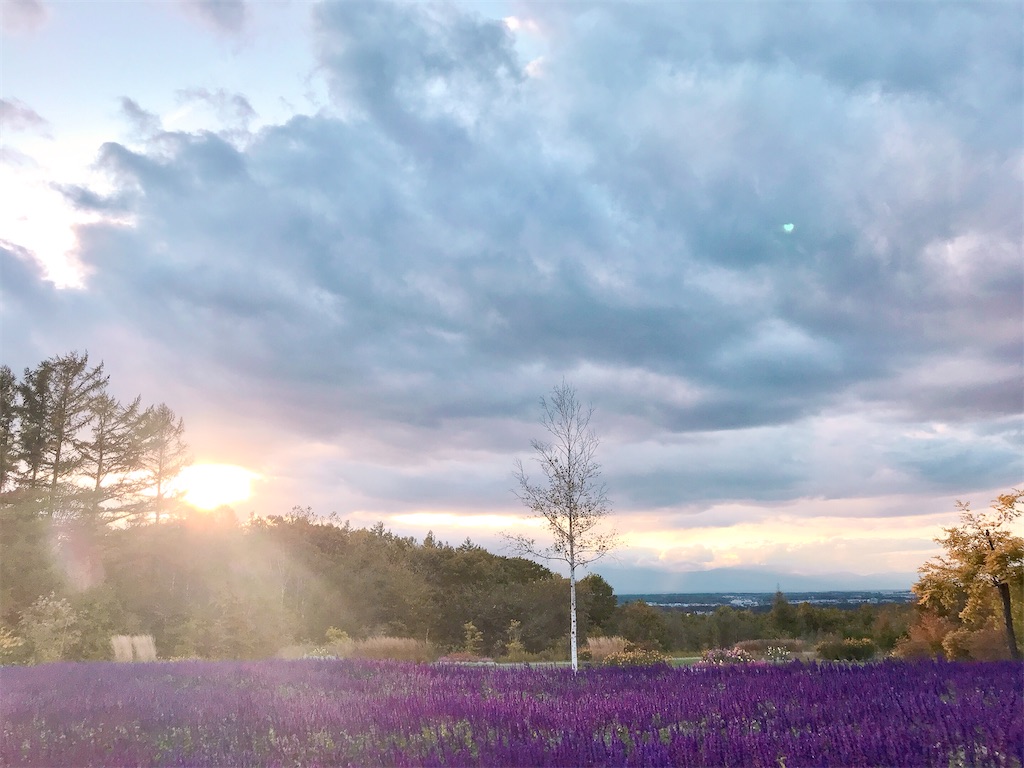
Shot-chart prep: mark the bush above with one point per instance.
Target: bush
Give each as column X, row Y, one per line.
column 760, row 648
column 985, row 644
column 13, row 649
column 637, row 657
column 924, row 638
column 50, row 625
column 522, row 656
column 721, row 657
column 474, row 639
column 778, row 655
column 395, row 648
column 848, row 649
column 379, row 648
column 601, row 648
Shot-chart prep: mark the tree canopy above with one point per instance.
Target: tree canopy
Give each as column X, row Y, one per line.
column 977, row 584
column 67, row 442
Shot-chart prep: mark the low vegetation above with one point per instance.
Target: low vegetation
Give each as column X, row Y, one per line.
column 357, row 713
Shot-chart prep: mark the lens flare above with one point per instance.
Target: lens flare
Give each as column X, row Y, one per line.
column 208, row 486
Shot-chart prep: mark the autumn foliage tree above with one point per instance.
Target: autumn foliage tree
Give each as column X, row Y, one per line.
column 977, row 585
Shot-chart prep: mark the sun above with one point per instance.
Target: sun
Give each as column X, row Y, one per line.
column 208, row 486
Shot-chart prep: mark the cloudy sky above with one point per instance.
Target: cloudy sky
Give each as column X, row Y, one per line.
column 776, row 245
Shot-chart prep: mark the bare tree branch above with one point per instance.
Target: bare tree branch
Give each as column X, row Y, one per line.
column 570, row 497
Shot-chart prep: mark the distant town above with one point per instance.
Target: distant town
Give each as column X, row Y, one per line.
column 706, row 603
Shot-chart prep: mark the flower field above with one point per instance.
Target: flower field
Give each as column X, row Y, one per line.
column 333, row 713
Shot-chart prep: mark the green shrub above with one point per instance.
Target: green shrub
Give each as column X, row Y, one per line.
column 51, row 627
column 848, row 649
column 474, row 639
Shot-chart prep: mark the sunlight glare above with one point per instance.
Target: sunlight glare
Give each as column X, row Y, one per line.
column 208, row 486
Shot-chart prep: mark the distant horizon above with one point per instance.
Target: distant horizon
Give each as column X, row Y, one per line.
column 651, row 581
column 738, row 593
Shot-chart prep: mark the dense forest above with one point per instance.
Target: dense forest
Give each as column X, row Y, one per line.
column 95, row 546
column 206, row 586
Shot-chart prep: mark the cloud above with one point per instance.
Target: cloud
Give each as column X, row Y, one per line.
column 415, row 68
column 23, row 15
column 86, row 199
column 226, row 16
column 404, row 273
column 143, row 122
column 18, row 116
column 231, row 108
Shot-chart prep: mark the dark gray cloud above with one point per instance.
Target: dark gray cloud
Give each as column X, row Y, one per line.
column 409, row 269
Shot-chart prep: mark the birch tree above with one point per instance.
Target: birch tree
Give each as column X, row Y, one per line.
column 569, row 497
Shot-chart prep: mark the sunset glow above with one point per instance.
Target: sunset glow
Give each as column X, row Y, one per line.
column 208, row 486
column 443, row 520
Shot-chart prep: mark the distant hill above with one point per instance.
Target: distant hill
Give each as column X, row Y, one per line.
column 626, row 580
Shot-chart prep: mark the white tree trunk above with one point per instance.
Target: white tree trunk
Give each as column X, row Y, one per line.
column 572, row 619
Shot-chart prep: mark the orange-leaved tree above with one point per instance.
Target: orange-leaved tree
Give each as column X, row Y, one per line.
column 979, row 580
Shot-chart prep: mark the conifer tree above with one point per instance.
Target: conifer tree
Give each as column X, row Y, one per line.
column 32, row 414
column 164, row 454
column 73, row 388
column 8, row 423
column 113, row 454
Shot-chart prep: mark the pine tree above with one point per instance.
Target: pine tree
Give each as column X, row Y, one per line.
column 8, row 424
column 32, row 413
column 164, row 455
column 113, row 454
column 73, row 388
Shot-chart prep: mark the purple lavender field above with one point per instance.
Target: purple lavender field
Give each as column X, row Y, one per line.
column 335, row 713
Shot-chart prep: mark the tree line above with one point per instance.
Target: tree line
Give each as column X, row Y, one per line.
column 206, row 586
column 73, row 450
column 95, row 545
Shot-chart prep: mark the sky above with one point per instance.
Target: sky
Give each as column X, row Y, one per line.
column 777, row 246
